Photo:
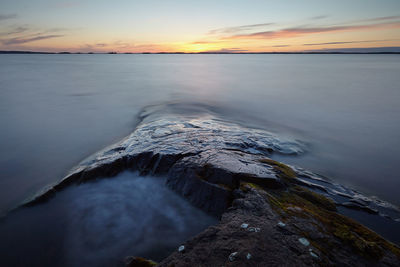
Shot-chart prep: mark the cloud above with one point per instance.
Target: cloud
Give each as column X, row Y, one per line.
column 206, row 42
column 300, row 31
column 14, row 30
column 383, row 18
column 349, row 42
column 394, row 49
column 227, row 50
column 319, row 17
column 7, row 16
column 22, row 40
column 280, row 45
column 239, row 28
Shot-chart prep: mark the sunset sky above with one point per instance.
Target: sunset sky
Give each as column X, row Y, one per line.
column 198, row 26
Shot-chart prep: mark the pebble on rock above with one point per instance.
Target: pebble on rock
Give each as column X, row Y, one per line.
column 281, row 224
column 181, row 248
column 248, row 256
column 304, row 241
column 254, row 229
column 244, row 225
column 313, row 254
column 232, row 257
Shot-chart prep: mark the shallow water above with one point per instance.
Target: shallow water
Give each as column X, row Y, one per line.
column 100, row 223
column 57, row 109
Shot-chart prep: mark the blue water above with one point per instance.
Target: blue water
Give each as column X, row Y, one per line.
column 57, row 109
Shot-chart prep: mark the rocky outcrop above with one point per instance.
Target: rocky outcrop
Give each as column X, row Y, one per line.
column 275, row 228
column 271, row 213
column 203, row 157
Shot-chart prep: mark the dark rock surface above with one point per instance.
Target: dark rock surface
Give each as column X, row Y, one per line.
column 292, row 238
column 226, row 170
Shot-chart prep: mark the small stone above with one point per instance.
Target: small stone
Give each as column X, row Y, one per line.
column 232, row 257
column 244, row 225
column 304, row 241
column 313, row 254
column 248, row 256
column 254, row 229
column 181, row 248
column 281, row 224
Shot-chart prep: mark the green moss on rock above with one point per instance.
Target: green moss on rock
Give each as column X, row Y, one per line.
column 315, row 198
column 362, row 240
column 140, row 262
column 283, row 170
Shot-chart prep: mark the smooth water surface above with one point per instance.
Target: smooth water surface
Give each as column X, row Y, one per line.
column 57, row 109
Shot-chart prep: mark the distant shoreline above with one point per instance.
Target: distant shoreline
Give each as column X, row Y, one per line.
column 188, row 53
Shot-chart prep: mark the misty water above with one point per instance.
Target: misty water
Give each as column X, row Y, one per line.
column 55, row 110
column 101, row 224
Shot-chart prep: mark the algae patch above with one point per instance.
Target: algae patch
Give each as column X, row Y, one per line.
column 284, row 170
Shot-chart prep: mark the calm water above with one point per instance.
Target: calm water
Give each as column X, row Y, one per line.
column 57, row 109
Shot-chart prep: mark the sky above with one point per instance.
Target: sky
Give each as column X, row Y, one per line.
column 198, row 26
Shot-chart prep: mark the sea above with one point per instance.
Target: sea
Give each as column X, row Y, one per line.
column 57, row 109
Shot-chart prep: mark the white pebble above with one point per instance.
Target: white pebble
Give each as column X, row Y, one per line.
column 248, row 256
column 254, row 229
column 304, row 241
column 313, row 254
column 181, row 248
column 232, row 257
column 244, row 225
column 281, row 224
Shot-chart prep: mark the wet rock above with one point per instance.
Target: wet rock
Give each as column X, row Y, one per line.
column 357, row 206
column 224, row 169
column 161, row 140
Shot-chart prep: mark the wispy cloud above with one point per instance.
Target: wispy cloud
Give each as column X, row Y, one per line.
column 319, row 17
column 206, row 42
column 300, row 31
column 14, row 30
column 349, row 42
column 21, row 40
column 7, row 16
column 383, row 18
column 239, row 28
column 227, row 50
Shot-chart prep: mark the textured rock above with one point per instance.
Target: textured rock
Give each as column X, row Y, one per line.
column 228, row 244
column 204, row 158
column 225, row 169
